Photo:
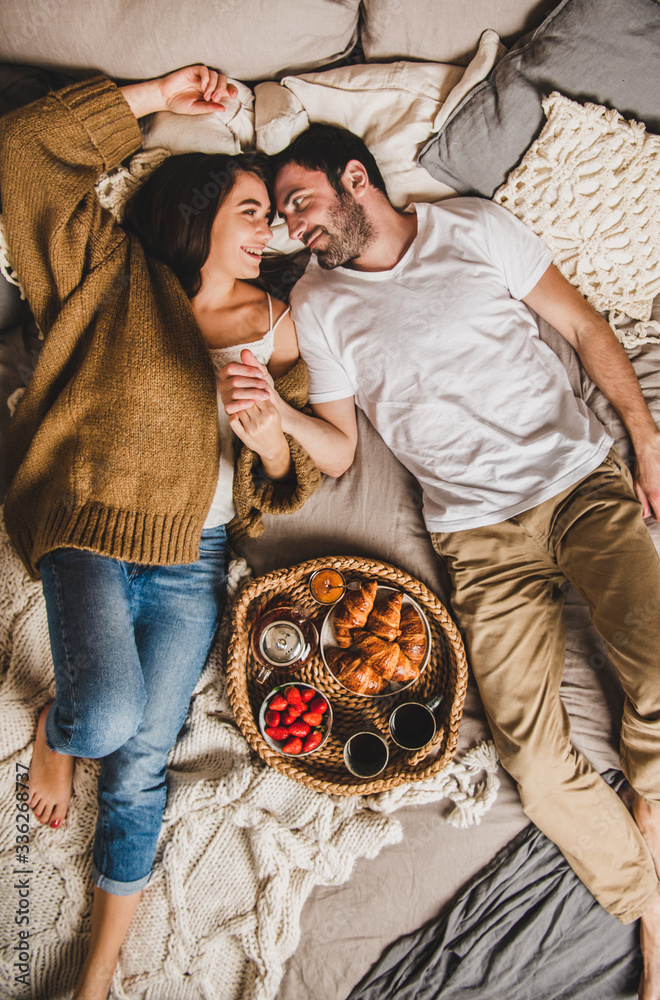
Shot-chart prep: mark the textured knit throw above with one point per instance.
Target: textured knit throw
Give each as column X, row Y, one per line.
column 589, row 186
column 240, row 850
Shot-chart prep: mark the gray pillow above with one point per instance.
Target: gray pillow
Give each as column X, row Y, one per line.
column 603, row 51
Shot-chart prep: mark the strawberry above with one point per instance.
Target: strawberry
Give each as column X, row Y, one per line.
column 312, row 718
column 292, row 695
column 296, row 710
column 293, row 746
column 299, row 729
column 277, row 732
column 287, row 718
column 307, row 694
column 312, row 742
column 319, row 704
column 272, row 718
column 278, row 704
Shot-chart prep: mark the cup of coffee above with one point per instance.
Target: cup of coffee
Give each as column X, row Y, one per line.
column 366, row 752
column 413, row 724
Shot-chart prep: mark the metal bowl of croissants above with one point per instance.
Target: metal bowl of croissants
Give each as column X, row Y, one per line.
column 376, row 640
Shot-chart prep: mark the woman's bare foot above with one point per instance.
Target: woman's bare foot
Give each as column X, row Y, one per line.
column 94, row 983
column 111, row 918
column 50, row 780
column 647, row 817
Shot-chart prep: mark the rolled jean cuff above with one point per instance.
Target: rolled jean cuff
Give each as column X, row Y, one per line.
column 118, row 888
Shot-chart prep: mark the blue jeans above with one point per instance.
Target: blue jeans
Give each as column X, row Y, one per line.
column 129, row 643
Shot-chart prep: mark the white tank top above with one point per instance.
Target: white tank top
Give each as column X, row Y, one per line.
column 222, row 509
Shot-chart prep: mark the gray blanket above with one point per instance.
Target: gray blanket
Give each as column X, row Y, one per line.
column 525, row 928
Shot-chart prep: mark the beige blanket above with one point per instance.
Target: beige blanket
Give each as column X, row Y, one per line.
column 241, row 846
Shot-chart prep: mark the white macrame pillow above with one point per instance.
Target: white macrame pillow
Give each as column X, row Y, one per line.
column 589, row 186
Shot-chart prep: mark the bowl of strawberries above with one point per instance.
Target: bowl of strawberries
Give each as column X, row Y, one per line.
column 295, row 719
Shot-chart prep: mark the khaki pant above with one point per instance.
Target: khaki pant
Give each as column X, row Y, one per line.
column 506, row 579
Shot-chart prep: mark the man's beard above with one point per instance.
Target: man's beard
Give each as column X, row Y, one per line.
column 352, row 232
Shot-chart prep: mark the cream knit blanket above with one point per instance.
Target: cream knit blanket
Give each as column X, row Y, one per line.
column 589, row 186
column 241, row 846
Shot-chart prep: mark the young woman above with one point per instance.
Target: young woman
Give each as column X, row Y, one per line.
column 121, row 461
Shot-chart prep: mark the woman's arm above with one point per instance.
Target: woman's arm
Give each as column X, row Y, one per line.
column 193, row 90
column 51, row 154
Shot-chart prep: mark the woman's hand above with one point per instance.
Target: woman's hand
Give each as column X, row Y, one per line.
column 243, row 385
column 260, row 428
column 193, row 90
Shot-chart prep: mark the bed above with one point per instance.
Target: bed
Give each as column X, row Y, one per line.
column 263, row 889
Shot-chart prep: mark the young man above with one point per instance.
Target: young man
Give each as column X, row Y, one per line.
column 422, row 318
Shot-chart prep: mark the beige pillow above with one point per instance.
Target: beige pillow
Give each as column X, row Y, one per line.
column 589, row 186
column 489, row 52
column 227, row 131
column 439, row 30
column 138, row 39
column 392, row 107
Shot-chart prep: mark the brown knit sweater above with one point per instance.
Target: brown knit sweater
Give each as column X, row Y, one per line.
column 114, row 446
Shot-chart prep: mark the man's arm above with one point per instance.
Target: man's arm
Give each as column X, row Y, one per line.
column 605, row 360
column 329, row 437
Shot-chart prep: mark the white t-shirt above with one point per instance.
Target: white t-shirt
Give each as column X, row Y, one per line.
column 447, row 364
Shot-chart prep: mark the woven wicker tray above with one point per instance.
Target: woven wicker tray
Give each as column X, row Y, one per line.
column 325, row 771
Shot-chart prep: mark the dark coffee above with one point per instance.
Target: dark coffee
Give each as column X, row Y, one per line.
column 412, row 726
column 366, row 754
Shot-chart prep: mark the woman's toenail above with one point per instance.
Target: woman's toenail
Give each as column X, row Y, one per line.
column 55, row 823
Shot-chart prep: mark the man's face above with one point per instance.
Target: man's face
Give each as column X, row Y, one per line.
column 334, row 227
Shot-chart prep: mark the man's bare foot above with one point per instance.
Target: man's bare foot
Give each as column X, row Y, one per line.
column 649, row 939
column 647, row 817
column 94, row 983
column 50, row 780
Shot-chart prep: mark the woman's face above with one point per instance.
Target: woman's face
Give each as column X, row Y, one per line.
column 240, row 229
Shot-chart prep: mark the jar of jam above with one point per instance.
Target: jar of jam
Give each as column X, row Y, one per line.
column 327, row 585
column 283, row 640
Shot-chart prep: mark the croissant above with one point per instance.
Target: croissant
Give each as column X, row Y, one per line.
column 385, row 618
column 358, row 676
column 337, row 658
column 353, row 611
column 412, row 637
column 386, row 658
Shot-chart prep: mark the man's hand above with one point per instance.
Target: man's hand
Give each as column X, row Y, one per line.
column 647, row 477
column 243, row 385
column 193, row 90
column 260, row 428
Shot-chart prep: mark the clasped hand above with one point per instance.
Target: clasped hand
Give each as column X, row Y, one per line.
column 251, row 402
